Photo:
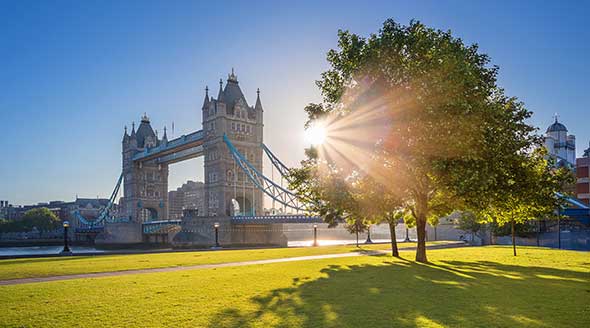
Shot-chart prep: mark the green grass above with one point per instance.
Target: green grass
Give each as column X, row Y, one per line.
column 464, row 287
column 43, row 267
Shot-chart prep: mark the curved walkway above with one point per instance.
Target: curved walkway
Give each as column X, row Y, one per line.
column 210, row 266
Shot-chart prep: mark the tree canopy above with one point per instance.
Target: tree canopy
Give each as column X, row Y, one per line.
column 421, row 114
column 41, row 218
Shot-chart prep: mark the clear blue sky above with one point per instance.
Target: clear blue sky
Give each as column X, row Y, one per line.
column 73, row 74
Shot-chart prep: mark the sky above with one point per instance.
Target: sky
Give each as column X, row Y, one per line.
column 74, row 73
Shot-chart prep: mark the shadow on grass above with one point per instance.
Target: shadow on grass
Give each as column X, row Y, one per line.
column 402, row 293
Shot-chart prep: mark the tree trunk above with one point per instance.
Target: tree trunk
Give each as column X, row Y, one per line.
column 513, row 238
column 538, row 232
column 394, row 250
column 421, row 213
column 357, row 238
column 421, row 231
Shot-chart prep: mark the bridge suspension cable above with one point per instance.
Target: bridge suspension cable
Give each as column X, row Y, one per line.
column 284, row 171
column 266, row 185
column 104, row 215
column 276, row 162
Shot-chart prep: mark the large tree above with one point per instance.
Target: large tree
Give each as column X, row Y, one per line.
column 421, row 113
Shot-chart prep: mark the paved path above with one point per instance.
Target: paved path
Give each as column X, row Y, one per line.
column 207, row 266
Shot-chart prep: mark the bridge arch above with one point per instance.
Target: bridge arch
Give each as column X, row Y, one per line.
column 148, row 214
column 243, row 208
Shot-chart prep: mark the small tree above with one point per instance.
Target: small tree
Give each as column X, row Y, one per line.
column 393, row 218
column 468, row 222
column 379, row 205
column 356, row 225
column 530, row 193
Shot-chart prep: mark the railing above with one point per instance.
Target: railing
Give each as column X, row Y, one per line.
column 157, row 226
column 276, row 219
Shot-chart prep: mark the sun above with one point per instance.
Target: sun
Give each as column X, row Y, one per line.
column 315, row 135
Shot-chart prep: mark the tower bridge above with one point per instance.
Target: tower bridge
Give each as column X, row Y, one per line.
column 231, row 143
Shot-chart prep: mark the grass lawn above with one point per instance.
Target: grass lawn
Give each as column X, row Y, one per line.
column 463, row 287
column 42, row 267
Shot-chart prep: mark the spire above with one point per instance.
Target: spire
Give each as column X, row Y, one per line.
column 220, row 95
column 232, row 77
column 206, row 101
column 258, row 105
column 126, row 131
column 125, row 135
column 133, row 137
column 165, row 137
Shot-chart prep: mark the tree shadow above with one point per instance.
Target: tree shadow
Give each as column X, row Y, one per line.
column 403, row 293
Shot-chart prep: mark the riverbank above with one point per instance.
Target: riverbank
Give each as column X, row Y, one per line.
column 54, row 251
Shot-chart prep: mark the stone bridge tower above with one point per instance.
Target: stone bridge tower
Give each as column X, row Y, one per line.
column 145, row 184
column 226, row 185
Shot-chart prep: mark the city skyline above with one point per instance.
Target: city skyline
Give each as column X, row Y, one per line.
column 73, row 81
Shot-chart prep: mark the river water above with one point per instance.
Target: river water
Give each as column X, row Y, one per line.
column 41, row 250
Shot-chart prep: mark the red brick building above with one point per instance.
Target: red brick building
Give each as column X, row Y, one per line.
column 583, row 179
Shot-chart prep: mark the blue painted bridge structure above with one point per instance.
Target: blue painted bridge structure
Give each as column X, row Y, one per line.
column 191, row 146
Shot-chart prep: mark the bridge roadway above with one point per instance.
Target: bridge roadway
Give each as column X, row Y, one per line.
column 176, row 150
column 153, row 227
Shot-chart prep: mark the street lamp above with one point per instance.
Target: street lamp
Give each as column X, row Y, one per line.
column 368, row 241
column 558, row 228
column 216, row 225
column 407, row 235
column 66, row 250
column 315, row 235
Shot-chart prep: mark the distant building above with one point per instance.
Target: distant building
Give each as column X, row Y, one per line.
column 583, row 177
column 190, row 196
column 561, row 146
column 4, row 208
column 88, row 207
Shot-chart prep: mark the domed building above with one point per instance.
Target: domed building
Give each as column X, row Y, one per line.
column 560, row 145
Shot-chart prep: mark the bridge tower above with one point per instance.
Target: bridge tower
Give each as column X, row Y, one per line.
column 225, row 183
column 145, row 183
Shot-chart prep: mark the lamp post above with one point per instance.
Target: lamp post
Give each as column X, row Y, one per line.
column 216, row 225
column 66, row 250
column 558, row 228
column 368, row 241
column 407, row 235
column 315, row 235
